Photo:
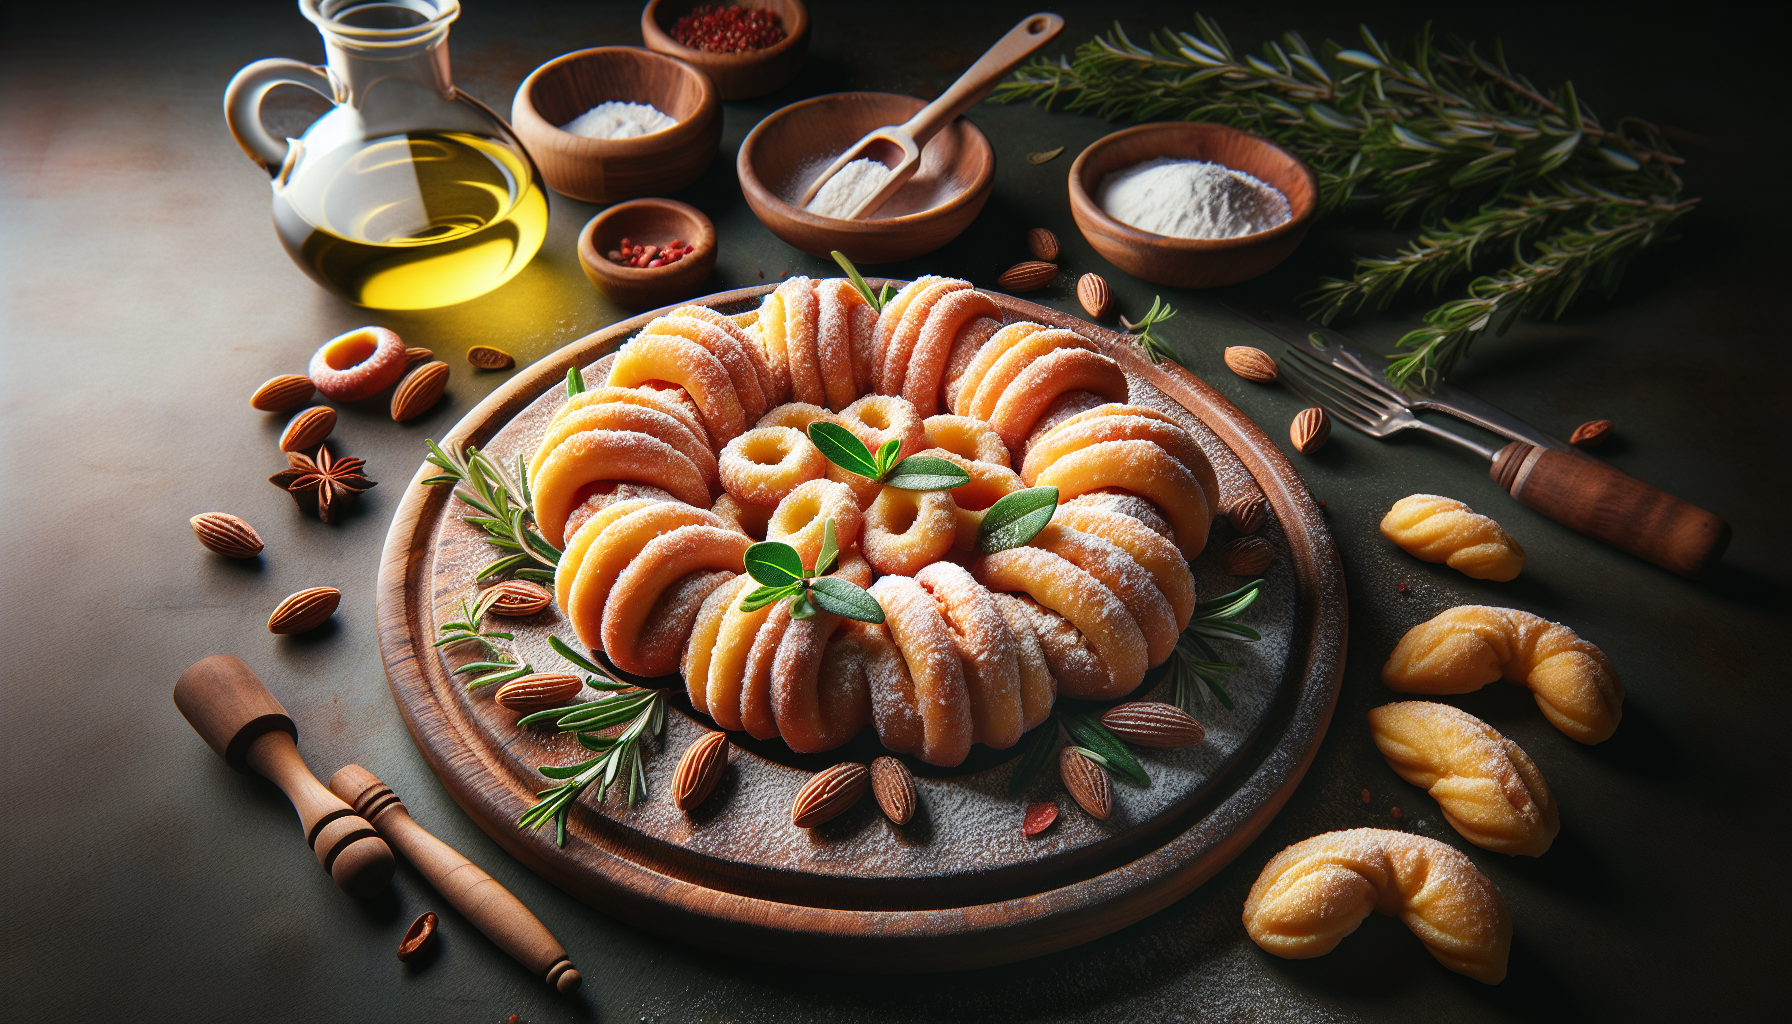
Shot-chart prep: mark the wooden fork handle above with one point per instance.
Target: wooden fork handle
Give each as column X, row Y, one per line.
column 1602, row 501
column 981, row 79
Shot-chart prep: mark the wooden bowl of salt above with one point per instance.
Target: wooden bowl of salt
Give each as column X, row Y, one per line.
column 1192, row 262
column 787, row 150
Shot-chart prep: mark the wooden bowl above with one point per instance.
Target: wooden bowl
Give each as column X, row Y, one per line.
column 608, row 170
column 738, row 76
column 1190, row 262
column 651, row 222
column 786, row 150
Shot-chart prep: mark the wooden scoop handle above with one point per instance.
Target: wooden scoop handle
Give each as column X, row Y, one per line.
column 1602, row 501
column 231, row 709
column 1020, row 42
column 478, row 896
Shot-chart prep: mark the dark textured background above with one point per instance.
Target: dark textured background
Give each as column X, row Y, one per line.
column 143, row 296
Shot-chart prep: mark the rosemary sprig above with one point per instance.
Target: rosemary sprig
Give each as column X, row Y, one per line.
column 645, row 712
column 875, row 299
column 1430, row 130
column 1195, row 664
column 498, row 667
column 502, row 507
column 1159, row 312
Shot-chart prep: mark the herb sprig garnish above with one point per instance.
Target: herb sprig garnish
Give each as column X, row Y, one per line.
column 874, row 300
column 780, row 573
column 498, row 667
column 503, row 507
column 1195, row 664
column 915, row 473
column 1488, row 163
column 1015, row 519
column 1159, row 312
column 1088, row 736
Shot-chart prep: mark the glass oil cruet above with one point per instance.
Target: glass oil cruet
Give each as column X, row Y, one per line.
column 408, row 194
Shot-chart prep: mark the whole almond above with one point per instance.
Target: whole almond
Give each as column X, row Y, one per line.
column 538, row 690
column 485, row 357
column 413, row 356
column 226, row 534
column 1042, row 244
column 1097, row 298
column 1309, row 430
column 1087, row 782
column 700, row 770
column 516, row 598
column 1028, row 277
column 305, row 610
column 1149, row 723
column 308, row 429
column 1591, row 434
column 829, row 794
column 420, row 390
column 287, row 391
column 894, row 786
column 1252, row 364
column 1246, row 556
column 1246, row 512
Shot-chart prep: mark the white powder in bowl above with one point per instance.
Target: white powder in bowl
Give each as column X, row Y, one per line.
column 617, row 119
column 848, row 189
column 1190, row 199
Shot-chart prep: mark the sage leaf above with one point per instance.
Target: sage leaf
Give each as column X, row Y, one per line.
column 830, row 550
column 926, row 473
column 843, row 449
column 1037, row 748
column 1087, row 732
column 886, row 455
column 801, row 608
column 762, row 596
column 1016, row 519
column 575, row 381
column 843, row 598
column 858, row 281
column 774, row 563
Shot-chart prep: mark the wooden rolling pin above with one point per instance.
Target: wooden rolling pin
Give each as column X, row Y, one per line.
column 477, row 895
column 237, row 716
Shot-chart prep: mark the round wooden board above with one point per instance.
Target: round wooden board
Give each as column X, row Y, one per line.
column 959, row 887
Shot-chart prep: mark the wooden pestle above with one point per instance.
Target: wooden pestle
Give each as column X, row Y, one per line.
column 477, row 895
column 237, row 716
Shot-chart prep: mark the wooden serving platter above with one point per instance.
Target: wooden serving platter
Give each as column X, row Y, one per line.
column 958, row 887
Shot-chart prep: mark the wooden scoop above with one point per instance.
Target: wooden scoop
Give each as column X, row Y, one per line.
column 898, row 147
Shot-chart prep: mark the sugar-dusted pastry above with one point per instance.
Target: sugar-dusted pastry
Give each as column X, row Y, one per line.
column 936, row 708
column 1319, row 890
column 906, row 531
column 651, row 357
column 1002, row 359
column 819, row 690
column 576, row 408
column 1469, row 646
column 1113, row 421
column 660, row 564
column 1156, row 555
column 1439, row 529
column 927, row 364
column 613, row 543
column 902, row 335
column 1123, row 577
column 749, row 342
column 987, row 649
column 742, row 359
column 966, row 438
column 990, row 481
column 801, row 518
column 763, row 465
column 841, row 318
column 594, row 456
column 1145, row 469
column 1487, row 787
column 751, row 520
column 796, row 414
column 1107, row 628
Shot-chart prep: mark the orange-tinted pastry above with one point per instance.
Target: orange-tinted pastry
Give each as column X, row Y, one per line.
column 908, row 530
column 641, row 419
column 729, row 350
column 597, row 455
column 1439, row 529
column 664, row 357
column 661, row 563
column 763, row 465
column 987, row 649
column 900, row 341
column 940, row 700
column 1084, row 602
column 921, row 384
column 802, row 516
column 966, row 438
column 1144, row 469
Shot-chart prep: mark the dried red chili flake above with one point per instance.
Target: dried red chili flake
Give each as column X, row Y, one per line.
column 421, row 931
column 1039, row 818
column 1365, row 796
column 1397, row 813
column 629, row 254
column 726, row 28
column 1403, row 588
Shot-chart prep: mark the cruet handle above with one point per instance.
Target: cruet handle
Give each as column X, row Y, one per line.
column 242, row 104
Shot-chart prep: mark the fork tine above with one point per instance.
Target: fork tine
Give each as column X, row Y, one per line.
column 1349, row 416
column 1328, row 386
column 1341, row 378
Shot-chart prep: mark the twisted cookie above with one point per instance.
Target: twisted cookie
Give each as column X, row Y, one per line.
column 1487, row 787
column 1439, row 529
column 1469, row 646
column 1317, row 891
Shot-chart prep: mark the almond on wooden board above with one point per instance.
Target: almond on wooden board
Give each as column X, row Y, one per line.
column 287, row 391
column 308, row 429
column 1591, row 434
column 1087, row 782
column 1150, row 723
column 516, row 598
column 1246, row 556
column 1042, row 244
column 1253, row 364
column 226, row 534
column 485, row 357
column 700, row 770
column 1027, row 277
column 1246, row 512
column 538, row 691
column 305, row 610
column 1097, row 298
column 894, row 786
column 829, row 794
column 1309, row 430
column 419, row 391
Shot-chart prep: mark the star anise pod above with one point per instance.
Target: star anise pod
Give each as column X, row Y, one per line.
column 327, row 479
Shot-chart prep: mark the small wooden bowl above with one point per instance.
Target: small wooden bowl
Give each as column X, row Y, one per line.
column 1190, row 262
column 783, row 152
column 651, row 222
column 738, row 76
column 608, row 170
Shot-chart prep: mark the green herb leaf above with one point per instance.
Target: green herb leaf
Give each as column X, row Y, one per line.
column 801, row 608
column 1036, row 751
column 1046, row 157
column 843, row 448
column 1016, row 519
column 886, row 455
column 858, row 281
column 1086, row 731
column 762, row 596
column 774, row 563
column 565, row 651
column 926, row 473
column 845, row 599
column 566, row 771
column 830, row 550
column 575, row 381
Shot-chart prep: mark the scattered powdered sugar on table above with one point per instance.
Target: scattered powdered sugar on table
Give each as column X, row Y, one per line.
column 617, row 119
column 1190, row 199
column 843, row 194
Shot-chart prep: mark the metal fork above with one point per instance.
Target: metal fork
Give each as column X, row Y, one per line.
column 1359, row 405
